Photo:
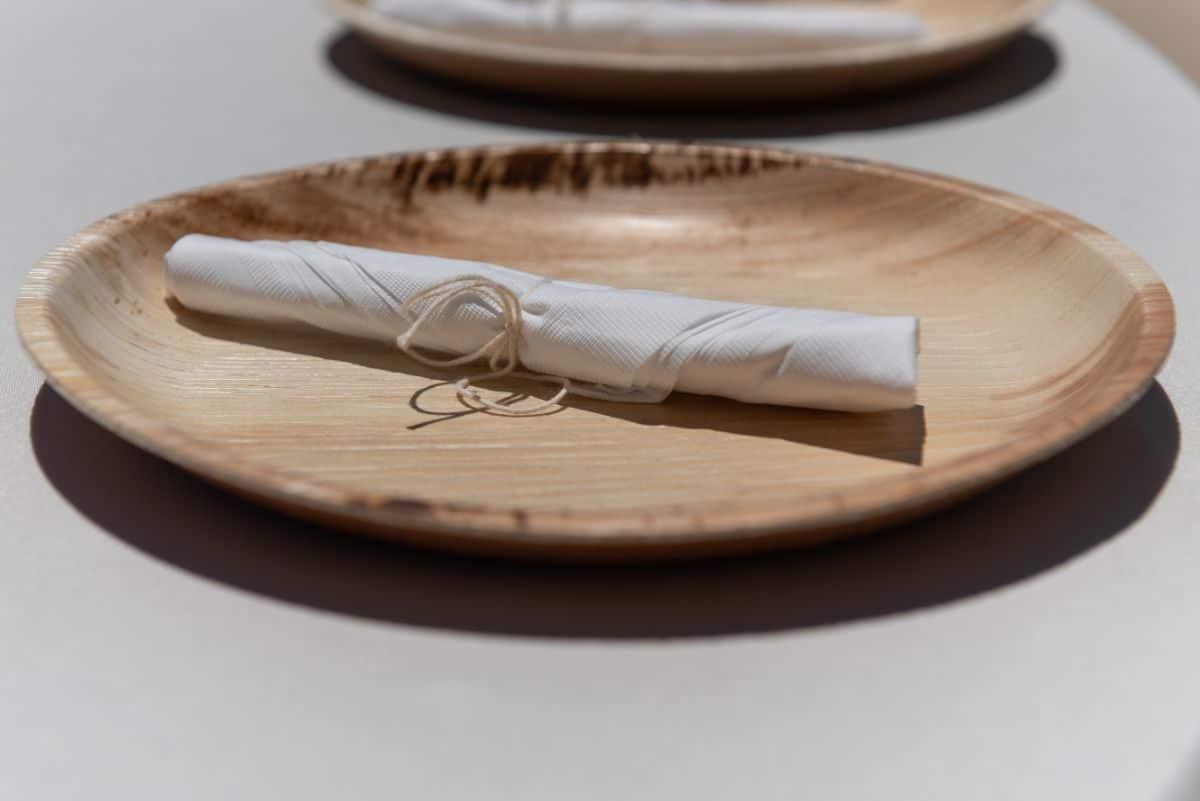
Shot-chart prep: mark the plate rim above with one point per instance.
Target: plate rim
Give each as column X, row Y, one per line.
column 366, row 20
column 714, row 527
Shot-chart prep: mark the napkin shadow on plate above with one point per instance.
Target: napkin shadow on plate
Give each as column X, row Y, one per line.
column 1028, row 525
column 897, row 436
column 1020, row 67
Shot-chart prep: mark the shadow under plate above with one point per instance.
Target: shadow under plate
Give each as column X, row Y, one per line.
column 1030, row 524
column 1020, row 67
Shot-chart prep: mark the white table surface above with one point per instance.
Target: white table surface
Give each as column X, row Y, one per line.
column 159, row 640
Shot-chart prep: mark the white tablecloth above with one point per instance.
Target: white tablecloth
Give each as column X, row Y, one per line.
column 161, row 640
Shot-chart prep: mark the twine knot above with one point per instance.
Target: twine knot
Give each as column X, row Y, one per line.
column 501, row 351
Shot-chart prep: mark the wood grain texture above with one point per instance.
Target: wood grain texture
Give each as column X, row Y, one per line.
column 1036, row 329
column 707, row 71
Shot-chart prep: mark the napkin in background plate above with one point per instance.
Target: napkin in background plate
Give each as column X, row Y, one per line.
column 658, row 19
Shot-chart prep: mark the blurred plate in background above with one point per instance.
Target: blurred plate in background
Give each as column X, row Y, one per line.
column 703, row 73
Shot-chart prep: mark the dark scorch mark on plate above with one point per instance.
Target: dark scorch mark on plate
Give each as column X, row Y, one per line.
column 575, row 170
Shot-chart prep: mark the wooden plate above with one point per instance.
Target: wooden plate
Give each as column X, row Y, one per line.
column 1037, row 329
column 704, row 72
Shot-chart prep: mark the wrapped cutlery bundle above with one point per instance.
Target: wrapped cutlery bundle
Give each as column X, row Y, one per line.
column 613, row 344
column 659, row 19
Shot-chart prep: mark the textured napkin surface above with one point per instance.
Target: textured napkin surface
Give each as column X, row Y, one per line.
column 616, row 344
column 658, row 18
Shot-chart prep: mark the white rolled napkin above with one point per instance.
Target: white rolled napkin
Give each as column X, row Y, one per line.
column 659, row 18
column 614, row 344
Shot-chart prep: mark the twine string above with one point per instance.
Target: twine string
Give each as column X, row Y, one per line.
column 500, row 352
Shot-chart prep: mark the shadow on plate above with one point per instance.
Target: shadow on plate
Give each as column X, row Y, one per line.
column 1029, row 61
column 897, row 436
column 1028, row 525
